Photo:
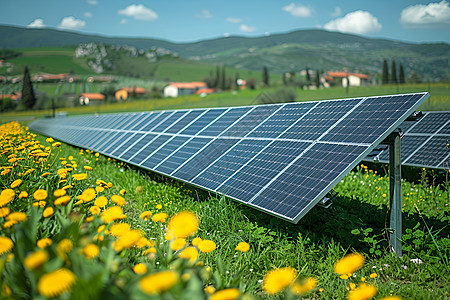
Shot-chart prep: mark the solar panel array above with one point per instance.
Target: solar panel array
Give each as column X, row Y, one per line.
column 425, row 143
column 282, row 159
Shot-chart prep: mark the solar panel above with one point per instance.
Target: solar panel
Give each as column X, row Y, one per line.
column 425, row 143
column 282, row 158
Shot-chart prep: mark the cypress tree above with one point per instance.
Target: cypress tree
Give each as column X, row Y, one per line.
column 393, row 73
column 401, row 74
column 308, row 77
column 317, row 79
column 385, row 74
column 265, row 76
column 28, row 97
column 224, row 79
column 284, row 79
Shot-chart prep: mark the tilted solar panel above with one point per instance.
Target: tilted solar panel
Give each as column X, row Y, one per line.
column 425, row 143
column 282, row 159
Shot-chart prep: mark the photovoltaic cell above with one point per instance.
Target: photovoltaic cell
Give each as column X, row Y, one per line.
column 281, row 158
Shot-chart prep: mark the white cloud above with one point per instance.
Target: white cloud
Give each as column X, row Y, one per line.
column 337, row 12
column 245, row 28
column 88, row 14
column 123, row 21
column 139, row 12
column 359, row 22
column 426, row 16
column 234, row 20
column 92, row 2
column 38, row 23
column 300, row 11
column 72, row 23
column 204, row 14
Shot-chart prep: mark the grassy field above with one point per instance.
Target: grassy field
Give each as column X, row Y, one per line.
column 284, row 261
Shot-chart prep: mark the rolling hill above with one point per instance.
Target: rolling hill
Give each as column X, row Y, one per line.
column 315, row 49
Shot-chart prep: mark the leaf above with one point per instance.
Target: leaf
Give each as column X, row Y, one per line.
column 356, row 231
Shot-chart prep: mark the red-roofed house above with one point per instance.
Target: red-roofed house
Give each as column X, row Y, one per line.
column 342, row 78
column 92, row 99
column 125, row 92
column 175, row 89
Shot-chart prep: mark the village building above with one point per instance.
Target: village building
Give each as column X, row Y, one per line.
column 345, row 79
column 92, row 99
column 127, row 92
column 175, row 89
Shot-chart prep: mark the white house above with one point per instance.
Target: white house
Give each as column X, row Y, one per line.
column 345, row 78
column 175, row 89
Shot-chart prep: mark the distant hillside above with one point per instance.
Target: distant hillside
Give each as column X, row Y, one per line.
column 315, row 49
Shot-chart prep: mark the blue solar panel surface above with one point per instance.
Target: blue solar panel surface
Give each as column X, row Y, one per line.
column 282, row 159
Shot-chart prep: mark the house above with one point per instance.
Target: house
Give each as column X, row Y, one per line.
column 127, row 92
column 45, row 77
column 343, row 79
column 92, row 99
column 13, row 96
column 175, row 89
column 204, row 92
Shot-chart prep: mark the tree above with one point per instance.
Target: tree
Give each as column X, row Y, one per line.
column 265, row 76
column 393, row 73
column 317, row 81
column 401, row 74
column 308, row 77
column 385, row 73
column 284, row 79
column 223, row 79
column 28, row 97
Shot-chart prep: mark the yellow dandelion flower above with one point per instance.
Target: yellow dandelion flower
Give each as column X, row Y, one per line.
column 91, row 251
column 44, row 243
column 127, row 240
column 122, row 192
column 158, row 282
column 35, row 259
column 40, row 195
column 178, row 244
column 227, row 294
column 9, row 224
column 55, row 283
column 158, row 206
column 113, row 213
column 88, row 168
column 159, row 217
column 59, row 192
column 302, row 288
column 4, row 211
column 183, row 225
column 344, row 276
column 190, row 253
column 64, row 247
column 97, row 154
column 119, row 229
column 6, row 196
column 352, row 285
column 321, row 290
column 88, row 195
column 81, row 176
column 206, row 246
column 373, row 275
column 109, row 185
column 243, row 247
column 142, row 242
column 209, row 289
column 277, row 280
column 90, row 219
column 16, row 183
column 23, row 194
column 95, row 210
column 362, row 292
column 17, row 216
column 196, row 241
column 150, row 250
column 39, row 204
column 57, row 144
column 49, row 140
column 99, row 189
column 391, row 298
column 62, row 200
column 140, row 269
column 146, row 215
column 6, row 244
column 101, row 201
column 45, row 174
column 70, row 157
column 48, row 212
column 119, row 200
column 349, row 264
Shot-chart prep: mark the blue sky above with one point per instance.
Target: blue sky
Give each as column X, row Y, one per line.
column 187, row 21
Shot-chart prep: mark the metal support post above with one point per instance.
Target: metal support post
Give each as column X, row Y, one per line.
column 395, row 193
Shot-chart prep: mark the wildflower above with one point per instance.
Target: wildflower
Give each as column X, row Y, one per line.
column 64, row 247
column 4, row 211
column 6, row 196
column 40, row 195
column 39, row 204
column 109, row 185
column 158, row 206
column 321, row 290
column 62, row 200
column 118, row 200
column 160, row 217
column 196, row 241
column 9, row 224
column 49, row 140
column 101, row 228
column 101, row 182
column 101, row 201
column 140, row 269
column 48, row 212
column 243, row 247
column 59, row 192
column 127, row 240
column 99, row 189
column 391, row 298
column 190, row 253
column 81, row 176
column 384, row 195
column 183, row 225
column 45, row 174
column 349, row 263
column 363, row 292
column 206, row 246
column 277, row 280
column 44, row 243
column 6, row 244
column 23, row 194
column 95, row 210
column 35, row 259
column 16, row 183
column 373, row 275
column 209, row 289
column 57, row 144
column 90, row 219
column 122, row 192
column 17, row 217
column 113, row 213
column 90, row 251
column 119, row 229
column 300, row 289
column 88, row 168
column 226, row 294
column 142, row 242
column 363, row 279
column 158, row 282
column 352, row 285
column 146, row 215
column 178, row 244
column 150, row 250
column 56, row 283
column 88, row 195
